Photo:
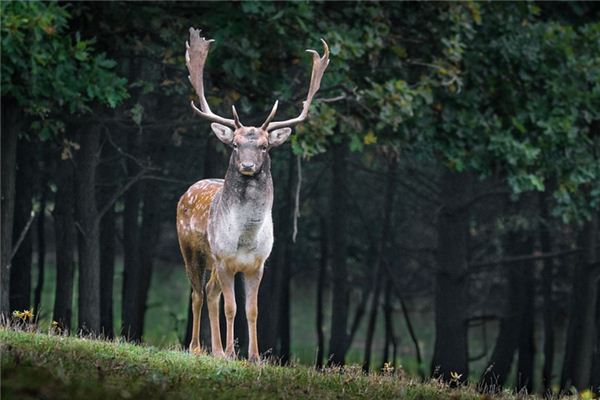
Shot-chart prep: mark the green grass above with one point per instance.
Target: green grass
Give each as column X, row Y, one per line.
column 37, row 365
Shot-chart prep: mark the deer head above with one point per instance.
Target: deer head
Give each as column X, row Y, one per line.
column 250, row 144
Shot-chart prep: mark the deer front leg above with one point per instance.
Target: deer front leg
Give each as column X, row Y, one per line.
column 213, row 298
column 252, row 283
column 226, row 279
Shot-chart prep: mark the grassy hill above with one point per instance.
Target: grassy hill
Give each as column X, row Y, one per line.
column 36, row 365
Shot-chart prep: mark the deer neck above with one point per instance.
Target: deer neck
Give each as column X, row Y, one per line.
column 249, row 197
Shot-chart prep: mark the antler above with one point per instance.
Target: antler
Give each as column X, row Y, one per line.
column 195, row 57
column 319, row 67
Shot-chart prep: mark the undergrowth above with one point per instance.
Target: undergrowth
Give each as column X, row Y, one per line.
column 39, row 365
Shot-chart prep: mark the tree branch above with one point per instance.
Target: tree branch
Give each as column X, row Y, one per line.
column 21, row 237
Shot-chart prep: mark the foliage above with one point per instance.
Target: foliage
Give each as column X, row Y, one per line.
column 49, row 70
column 521, row 100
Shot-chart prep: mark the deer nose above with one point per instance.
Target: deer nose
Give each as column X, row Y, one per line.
column 248, row 166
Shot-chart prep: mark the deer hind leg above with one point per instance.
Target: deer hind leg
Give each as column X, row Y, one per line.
column 252, row 283
column 226, row 279
column 195, row 266
column 213, row 298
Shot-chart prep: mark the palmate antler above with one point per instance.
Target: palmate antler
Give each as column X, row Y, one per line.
column 319, row 66
column 195, row 57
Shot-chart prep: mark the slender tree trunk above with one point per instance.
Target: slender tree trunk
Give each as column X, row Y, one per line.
column 390, row 337
column 240, row 321
column 107, row 177
column 41, row 241
column 130, row 324
column 64, row 228
column 413, row 336
column 288, row 257
column 386, row 224
column 320, row 289
column 581, row 333
column 20, row 271
column 89, row 234
column 548, row 302
column 107, row 271
column 526, row 334
column 516, row 327
column 372, row 321
column 149, row 236
column 450, row 349
column 10, row 129
column 595, row 372
column 339, row 300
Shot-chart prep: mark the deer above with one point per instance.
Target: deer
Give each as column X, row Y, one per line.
column 224, row 226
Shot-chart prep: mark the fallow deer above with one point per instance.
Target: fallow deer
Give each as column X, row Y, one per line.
column 225, row 226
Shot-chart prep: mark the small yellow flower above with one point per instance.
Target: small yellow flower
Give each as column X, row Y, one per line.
column 586, row 395
column 388, row 368
column 455, row 376
column 23, row 315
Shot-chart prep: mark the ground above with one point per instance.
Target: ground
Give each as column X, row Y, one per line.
column 40, row 365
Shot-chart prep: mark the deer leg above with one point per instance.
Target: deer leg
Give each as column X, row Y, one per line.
column 252, row 283
column 197, row 300
column 194, row 266
column 213, row 297
column 226, row 279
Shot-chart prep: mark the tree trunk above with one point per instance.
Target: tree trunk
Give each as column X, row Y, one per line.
column 548, row 302
column 288, row 259
column 339, row 299
column 130, row 324
column 10, row 128
column 595, row 372
column 450, row 349
column 41, row 240
column 107, row 176
column 516, row 327
column 372, row 321
column 581, row 333
column 20, row 271
column 89, row 234
column 64, row 228
column 526, row 325
column 149, row 236
column 320, row 289
column 386, row 224
column 240, row 321
column 390, row 339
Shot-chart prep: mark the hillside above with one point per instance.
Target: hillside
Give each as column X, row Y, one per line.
column 36, row 365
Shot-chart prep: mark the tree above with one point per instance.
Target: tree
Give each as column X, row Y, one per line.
column 41, row 58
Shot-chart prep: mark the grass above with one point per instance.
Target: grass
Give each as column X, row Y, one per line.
column 37, row 365
column 166, row 319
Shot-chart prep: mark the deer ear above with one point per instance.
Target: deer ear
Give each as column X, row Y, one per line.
column 224, row 134
column 279, row 136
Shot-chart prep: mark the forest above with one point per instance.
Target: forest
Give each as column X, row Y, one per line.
column 437, row 212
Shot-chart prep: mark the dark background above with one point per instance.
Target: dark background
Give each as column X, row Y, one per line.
column 448, row 178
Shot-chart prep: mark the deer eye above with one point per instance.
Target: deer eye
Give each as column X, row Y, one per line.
column 264, row 148
column 235, row 146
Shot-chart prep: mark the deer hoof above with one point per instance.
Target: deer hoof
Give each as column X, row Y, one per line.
column 197, row 351
column 218, row 354
column 254, row 359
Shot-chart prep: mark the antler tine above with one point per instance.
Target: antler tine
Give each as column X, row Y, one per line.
column 319, row 66
column 271, row 116
column 236, row 119
column 195, row 58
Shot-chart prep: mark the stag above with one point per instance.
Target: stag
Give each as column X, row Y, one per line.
column 225, row 226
